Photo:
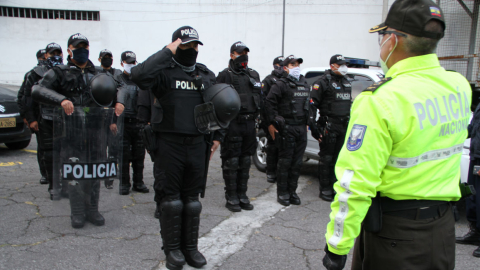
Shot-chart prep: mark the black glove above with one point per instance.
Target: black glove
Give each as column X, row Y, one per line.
column 333, row 261
column 279, row 123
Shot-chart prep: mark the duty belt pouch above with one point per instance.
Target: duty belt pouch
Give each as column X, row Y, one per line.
column 373, row 220
column 148, row 137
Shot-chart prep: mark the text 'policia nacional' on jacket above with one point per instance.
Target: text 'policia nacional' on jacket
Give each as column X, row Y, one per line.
column 177, row 91
column 70, row 82
column 248, row 85
column 289, row 98
column 386, row 151
column 331, row 94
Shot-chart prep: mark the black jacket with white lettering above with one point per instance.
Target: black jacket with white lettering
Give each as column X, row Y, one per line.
column 175, row 90
column 288, row 98
column 332, row 95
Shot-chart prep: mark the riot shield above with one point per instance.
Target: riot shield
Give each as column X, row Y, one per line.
column 87, row 149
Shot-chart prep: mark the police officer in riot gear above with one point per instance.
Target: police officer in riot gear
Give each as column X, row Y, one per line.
column 240, row 141
column 287, row 112
column 21, row 103
column 133, row 148
column 272, row 151
column 181, row 153
column 53, row 56
column 68, row 86
column 331, row 95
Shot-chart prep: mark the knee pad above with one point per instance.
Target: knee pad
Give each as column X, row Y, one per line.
column 191, row 206
column 171, row 206
column 325, row 160
column 230, row 164
column 244, row 162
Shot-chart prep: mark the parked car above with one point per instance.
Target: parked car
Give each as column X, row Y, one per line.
column 361, row 79
column 13, row 131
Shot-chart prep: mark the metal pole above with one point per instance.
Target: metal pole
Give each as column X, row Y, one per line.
column 283, row 29
column 384, row 10
column 473, row 36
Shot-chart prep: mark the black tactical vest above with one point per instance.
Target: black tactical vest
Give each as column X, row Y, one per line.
column 337, row 95
column 293, row 106
column 180, row 98
column 249, row 89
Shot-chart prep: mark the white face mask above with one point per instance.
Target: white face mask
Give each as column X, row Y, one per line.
column 343, row 69
column 128, row 67
column 294, row 72
column 383, row 64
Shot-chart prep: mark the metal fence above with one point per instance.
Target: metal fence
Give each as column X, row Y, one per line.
column 459, row 49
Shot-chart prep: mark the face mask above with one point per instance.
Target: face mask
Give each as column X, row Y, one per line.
column 186, row 57
column 241, row 62
column 128, row 67
column 42, row 62
column 107, row 62
column 294, row 72
column 54, row 60
column 278, row 70
column 343, row 69
column 382, row 63
column 80, row 55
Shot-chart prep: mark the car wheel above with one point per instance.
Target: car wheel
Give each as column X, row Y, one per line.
column 260, row 157
column 17, row 145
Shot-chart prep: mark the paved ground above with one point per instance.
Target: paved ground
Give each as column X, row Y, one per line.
column 35, row 233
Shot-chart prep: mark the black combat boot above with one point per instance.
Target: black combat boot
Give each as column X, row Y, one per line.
column 140, row 187
column 157, row 212
column 476, row 252
column 93, row 216
column 242, row 182
column 170, row 229
column 43, row 180
column 271, row 178
column 293, row 183
column 190, row 226
column 324, row 175
column 77, row 204
column 471, row 238
column 283, row 196
column 108, row 183
column 229, row 169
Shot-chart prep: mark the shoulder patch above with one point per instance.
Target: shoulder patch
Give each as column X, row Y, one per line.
column 355, row 139
column 316, row 86
column 377, row 85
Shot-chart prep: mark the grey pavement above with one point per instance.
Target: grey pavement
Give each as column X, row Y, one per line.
column 35, row 233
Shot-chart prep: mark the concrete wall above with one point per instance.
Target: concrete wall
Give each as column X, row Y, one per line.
column 314, row 30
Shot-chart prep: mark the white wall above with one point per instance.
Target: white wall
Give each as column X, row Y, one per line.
column 315, row 30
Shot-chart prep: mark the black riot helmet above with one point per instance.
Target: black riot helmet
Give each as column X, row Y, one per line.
column 103, row 89
column 222, row 104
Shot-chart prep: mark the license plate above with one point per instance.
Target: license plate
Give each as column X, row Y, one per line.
column 8, row 122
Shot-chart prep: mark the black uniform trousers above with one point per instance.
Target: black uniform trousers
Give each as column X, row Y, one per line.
column 41, row 165
column 133, row 151
column 45, row 142
column 473, row 203
column 421, row 244
column 179, row 169
column 330, row 147
column 240, row 140
column 272, row 154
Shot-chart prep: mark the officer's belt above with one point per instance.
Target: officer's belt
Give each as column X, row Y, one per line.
column 244, row 117
column 130, row 120
column 414, row 209
column 186, row 140
column 298, row 121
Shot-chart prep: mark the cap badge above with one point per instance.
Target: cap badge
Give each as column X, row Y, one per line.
column 435, row 11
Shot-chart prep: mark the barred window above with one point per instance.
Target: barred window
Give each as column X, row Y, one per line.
column 51, row 14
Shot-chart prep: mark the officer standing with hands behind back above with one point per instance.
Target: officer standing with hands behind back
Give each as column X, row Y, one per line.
column 272, row 150
column 240, row 141
column 331, row 95
column 400, row 167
